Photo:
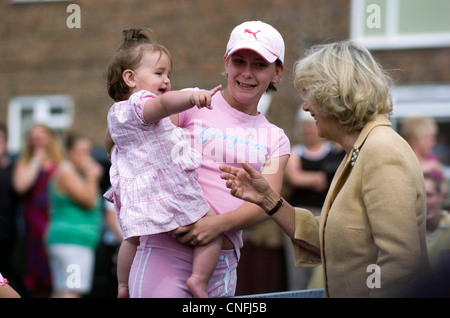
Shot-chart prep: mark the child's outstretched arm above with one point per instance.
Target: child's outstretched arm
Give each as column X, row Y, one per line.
column 175, row 102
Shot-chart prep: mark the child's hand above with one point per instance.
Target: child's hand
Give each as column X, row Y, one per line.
column 203, row 98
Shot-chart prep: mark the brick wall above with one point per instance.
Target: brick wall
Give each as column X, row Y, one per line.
column 41, row 55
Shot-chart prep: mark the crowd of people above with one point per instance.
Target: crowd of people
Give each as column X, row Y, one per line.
column 51, row 213
column 360, row 193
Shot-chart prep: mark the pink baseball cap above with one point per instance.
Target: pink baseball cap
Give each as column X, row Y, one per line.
column 259, row 37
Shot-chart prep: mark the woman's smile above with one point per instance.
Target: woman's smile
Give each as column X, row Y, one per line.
column 243, row 85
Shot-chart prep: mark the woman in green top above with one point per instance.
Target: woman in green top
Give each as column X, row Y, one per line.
column 75, row 220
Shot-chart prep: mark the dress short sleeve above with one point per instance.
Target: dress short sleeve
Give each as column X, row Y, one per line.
column 137, row 101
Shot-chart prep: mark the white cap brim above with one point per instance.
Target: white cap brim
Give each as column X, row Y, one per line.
column 256, row 47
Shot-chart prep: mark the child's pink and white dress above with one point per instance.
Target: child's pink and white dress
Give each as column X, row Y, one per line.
column 153, row 179
column 3, row 281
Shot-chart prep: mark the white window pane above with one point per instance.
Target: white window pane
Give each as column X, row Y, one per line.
column 419, row 16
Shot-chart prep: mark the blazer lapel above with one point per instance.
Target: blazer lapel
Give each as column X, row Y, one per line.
column 344, row 169
column 340, row 178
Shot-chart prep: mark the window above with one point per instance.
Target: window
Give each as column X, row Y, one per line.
column 55, row 111
column 401, row 24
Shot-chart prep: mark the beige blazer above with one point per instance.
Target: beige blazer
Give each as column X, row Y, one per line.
column 374, row 213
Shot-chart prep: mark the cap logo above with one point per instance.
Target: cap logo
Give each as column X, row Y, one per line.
column 251, row 32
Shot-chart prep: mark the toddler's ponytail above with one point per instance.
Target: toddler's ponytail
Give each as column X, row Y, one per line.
column 136, row 37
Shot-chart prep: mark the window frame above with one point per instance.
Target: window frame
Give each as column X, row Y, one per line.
column 42, row 109
column 392, row 39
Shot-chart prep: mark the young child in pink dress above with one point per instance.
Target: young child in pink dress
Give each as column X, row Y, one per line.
column 153, row 177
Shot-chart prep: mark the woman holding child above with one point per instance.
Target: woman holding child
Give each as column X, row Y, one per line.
column 231, row 132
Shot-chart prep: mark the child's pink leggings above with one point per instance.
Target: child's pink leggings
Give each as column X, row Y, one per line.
column 162, row 265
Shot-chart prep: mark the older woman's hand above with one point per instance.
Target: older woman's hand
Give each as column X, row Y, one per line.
column 247, row 183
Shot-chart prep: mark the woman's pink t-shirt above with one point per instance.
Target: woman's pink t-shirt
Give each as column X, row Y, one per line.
column 225, row 135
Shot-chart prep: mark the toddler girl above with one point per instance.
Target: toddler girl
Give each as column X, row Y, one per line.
column 154, row 188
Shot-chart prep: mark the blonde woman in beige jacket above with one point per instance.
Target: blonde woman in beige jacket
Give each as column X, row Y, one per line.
column 370, row 235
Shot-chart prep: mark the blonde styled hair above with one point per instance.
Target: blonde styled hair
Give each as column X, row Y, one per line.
column 416, row 127
column 346, row 82
column 54, row 149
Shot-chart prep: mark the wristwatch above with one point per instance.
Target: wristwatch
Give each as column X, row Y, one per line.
column 276, row 207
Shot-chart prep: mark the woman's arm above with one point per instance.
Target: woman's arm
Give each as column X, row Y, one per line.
column 250, row 185
column 272, row 173
column 208, row 228
column 84, row 191
column 25, row 174
column 298, row 177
